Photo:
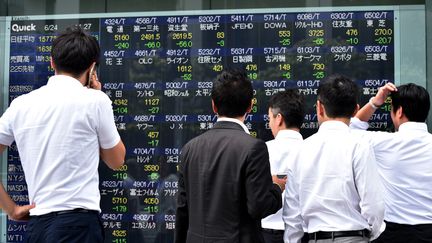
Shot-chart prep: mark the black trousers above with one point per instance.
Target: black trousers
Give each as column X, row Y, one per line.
column 74, row 227
column 276, row 236
column 404, row 233
column 272, row 236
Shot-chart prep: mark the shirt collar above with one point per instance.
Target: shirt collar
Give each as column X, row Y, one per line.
column 410, row 126
column 235, row 121
column 64, row 81
column 333, row 125
column 288, row 133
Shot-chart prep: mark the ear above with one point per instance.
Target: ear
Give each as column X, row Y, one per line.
column 279, row 120
column 214, row 107
column 52, row 63
column 250, row 107
column 92, row 66
column 91, row 69
column 356, row 110
column 399, row 113
column 320, row 110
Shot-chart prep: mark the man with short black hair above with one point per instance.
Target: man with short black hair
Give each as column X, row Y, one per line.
column 61, row 130
column 404, row 162
column 225, row 185
column 333, row 191
column 285, row 113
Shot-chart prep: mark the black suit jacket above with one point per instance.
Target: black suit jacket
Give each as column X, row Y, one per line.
column 225, row 187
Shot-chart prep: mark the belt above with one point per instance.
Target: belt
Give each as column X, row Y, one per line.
column 273, row 231
column 76, row 210
column 321, row 235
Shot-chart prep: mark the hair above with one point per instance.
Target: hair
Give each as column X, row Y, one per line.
column 232, row 93
column 414, row 100
column 290, row 104
column 339, row 95
column 74, row 50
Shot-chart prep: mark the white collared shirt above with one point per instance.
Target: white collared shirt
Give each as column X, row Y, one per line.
column 228, row 119
column 333, row 185
column 58, row 130
column 282, row 153
column 405, row 164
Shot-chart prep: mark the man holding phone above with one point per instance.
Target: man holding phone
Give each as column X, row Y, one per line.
column 92, row 78
column 286, row 112
column 61, row 130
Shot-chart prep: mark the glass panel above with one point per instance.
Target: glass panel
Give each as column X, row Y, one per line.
column 29, row 7
column 158, row 63
column 429, row 53
column 3, row 103
column 166, row 5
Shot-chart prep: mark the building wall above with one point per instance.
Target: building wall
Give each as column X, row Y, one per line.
column 41, row 7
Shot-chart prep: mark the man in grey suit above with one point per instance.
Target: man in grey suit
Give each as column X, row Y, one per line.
column 225, row 185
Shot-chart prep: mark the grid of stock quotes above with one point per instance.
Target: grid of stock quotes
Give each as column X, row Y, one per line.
column 158, row 72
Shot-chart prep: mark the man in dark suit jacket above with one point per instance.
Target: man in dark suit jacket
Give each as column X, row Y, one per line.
column 225, row 185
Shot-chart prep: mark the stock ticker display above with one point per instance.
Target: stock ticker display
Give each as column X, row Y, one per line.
column 158, row 72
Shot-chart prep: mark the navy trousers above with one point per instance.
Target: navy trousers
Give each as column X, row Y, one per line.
column 71, row 227
column 403, row 233
column 276, row 236
column 272, row 236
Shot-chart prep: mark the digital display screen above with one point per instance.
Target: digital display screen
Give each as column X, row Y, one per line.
column 158, row 71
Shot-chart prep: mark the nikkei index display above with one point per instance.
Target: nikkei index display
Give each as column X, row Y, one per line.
column 158, row 71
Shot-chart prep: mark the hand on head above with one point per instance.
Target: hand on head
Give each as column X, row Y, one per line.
column 383, row 93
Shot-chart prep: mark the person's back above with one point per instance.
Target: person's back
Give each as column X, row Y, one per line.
column 327, row 179
column 225, row 186
column 404, row 162
column 219, row 192
column 56, row 133
column 333, row 190
column 406, row 172
column 62, row 130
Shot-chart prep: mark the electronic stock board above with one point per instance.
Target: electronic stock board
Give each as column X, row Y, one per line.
column 158, row 67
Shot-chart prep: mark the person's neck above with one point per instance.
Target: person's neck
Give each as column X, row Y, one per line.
column 341, row 119
column 287, row 129
column 240, row 118
column 81, row 78
column 292, row 129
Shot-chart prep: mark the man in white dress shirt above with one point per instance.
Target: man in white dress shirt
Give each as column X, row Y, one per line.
column 404, row 162
column 62, row 130
column 333, row 191
column 286, row 112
